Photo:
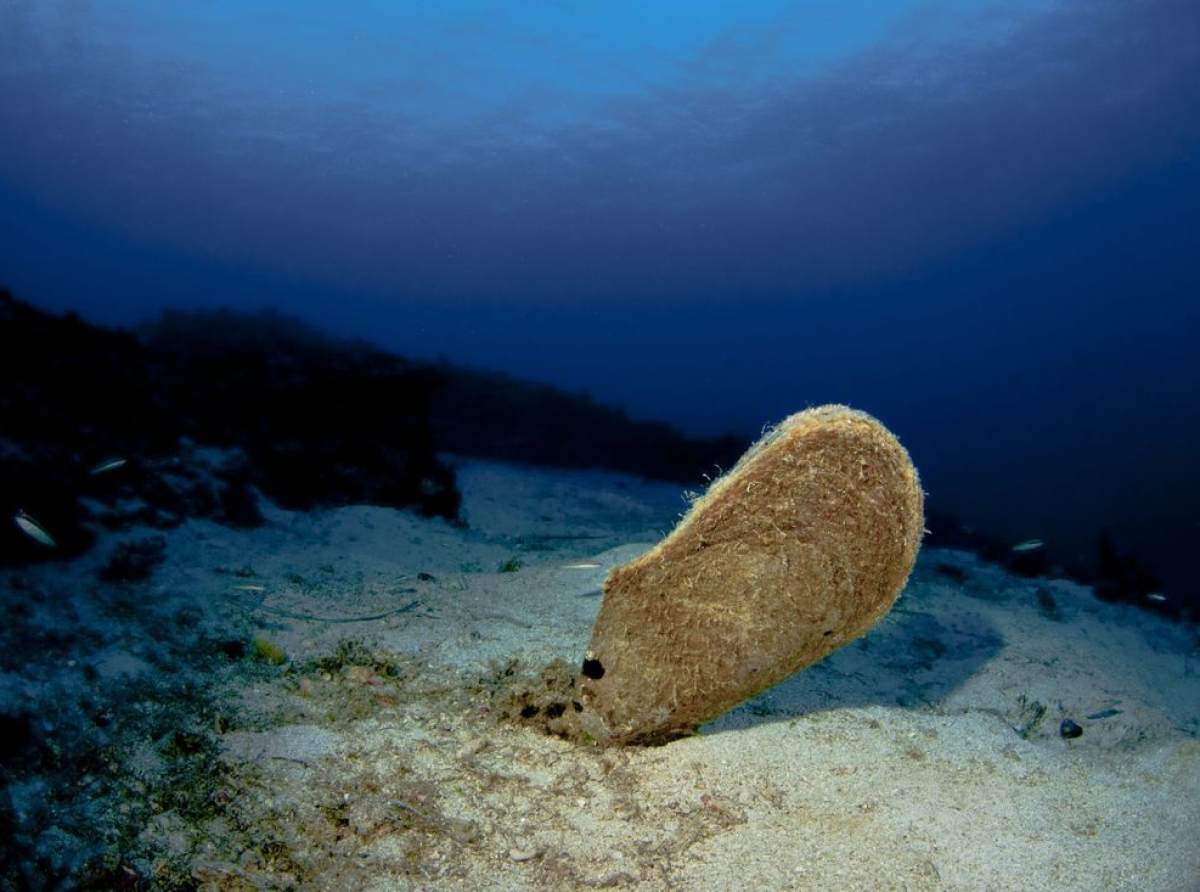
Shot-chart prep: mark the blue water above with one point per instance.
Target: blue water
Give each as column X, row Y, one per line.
column 979, row 221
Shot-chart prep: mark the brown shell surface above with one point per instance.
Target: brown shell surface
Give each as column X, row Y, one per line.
column 801, row 548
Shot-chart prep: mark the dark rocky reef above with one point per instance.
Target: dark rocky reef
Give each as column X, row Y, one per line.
column 1114, row 574
column 490, row 415
column 322, row 422
column 205, row 409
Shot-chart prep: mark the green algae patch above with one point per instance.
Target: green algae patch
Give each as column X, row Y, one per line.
column 268, row 651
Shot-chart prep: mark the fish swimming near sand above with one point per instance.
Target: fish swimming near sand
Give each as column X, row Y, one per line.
column 107, row 465
column 1028, row 545
column 33, row 529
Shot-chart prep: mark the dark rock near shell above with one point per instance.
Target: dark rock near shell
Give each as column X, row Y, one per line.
column 1069, row 730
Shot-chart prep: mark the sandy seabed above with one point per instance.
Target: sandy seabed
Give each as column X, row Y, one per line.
column 335, row 701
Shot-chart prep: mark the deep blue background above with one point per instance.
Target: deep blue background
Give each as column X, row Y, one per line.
column 979, row 221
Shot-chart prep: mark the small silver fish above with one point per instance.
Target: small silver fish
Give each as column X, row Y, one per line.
column 1155, row 596
column 582, row 565
column 107, row 465
column 34, row 530
column 1028, row 545
column 250, row 588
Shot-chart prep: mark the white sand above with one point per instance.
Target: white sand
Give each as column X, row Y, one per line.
column 926, row 756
